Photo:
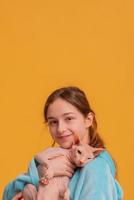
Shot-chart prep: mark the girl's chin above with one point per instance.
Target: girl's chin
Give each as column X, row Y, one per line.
column 66, row 142
column 66, row 145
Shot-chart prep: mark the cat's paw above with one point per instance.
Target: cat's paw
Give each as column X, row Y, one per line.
column 66, row 195
column 48, row 173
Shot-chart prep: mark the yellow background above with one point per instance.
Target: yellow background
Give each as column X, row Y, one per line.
column 49, row 44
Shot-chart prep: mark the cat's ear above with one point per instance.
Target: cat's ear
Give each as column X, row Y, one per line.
column 97, row 151
column 76, row 139
column 93, row 151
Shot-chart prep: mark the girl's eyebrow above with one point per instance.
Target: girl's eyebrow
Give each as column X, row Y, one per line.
column 68, row 113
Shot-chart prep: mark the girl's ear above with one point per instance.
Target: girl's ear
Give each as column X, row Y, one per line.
column 89, row 119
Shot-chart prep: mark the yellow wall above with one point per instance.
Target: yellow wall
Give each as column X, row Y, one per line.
column 48, row 44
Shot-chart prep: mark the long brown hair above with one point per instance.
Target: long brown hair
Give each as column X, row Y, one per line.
column 77, row 98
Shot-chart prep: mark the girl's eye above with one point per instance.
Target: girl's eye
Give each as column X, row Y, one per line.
column 52, row 122
column 69, row 118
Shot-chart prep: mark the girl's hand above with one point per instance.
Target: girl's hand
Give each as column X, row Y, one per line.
column 60, row 166
column 18, row 196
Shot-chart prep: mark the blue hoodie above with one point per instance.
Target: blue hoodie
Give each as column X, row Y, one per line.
column 95, row 181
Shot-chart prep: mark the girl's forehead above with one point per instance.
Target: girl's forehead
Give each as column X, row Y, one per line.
column 60, row 104
column 61, row 107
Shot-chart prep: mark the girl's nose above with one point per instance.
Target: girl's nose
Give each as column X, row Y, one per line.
column 61, row 127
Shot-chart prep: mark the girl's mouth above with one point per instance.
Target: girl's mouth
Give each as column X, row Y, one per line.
column 64, row 137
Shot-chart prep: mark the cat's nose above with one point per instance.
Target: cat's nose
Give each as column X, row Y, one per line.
column 81, row 162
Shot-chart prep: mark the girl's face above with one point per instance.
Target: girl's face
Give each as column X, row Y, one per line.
column 65, row 120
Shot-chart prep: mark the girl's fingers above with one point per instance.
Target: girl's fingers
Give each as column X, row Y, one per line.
column 70, row 170
column 55, row 156
column 71, row 165
column 18, row 196
column 68, row 174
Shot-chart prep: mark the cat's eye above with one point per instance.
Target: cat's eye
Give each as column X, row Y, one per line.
column 79, row 152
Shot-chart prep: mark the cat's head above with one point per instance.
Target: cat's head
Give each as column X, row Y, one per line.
column 82, row 153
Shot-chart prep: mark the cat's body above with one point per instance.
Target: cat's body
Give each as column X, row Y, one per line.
column 56, row 188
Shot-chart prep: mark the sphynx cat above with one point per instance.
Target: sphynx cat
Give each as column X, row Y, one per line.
column 56, row 187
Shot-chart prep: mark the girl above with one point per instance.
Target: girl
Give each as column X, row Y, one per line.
column 67, row 111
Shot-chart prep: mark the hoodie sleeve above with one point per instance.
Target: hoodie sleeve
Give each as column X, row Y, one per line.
column 19, row 183
column 98, row 183
column 95, row 181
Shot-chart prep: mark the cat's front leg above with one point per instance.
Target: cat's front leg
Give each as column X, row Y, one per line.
column 48, row 172
column 45, row 173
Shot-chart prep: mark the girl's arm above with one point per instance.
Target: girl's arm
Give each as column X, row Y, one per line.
column 17, row 185
column 60, row 165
